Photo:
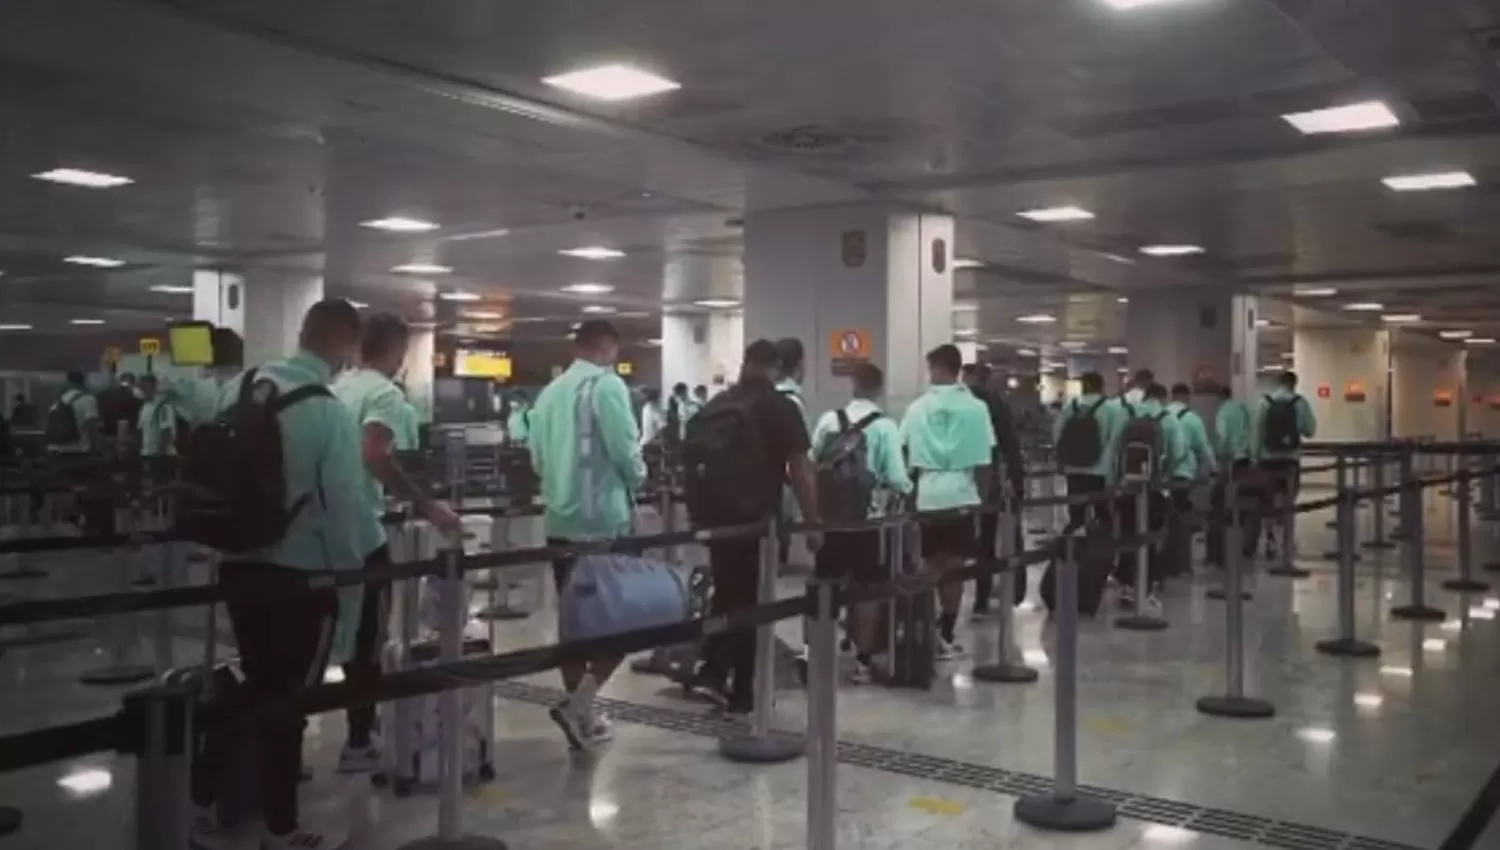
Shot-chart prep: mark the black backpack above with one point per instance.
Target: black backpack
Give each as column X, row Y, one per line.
column 1141, row 447
column 729, row 474
column 1081, row 443
column 845, row 482
column 62, row 427
column 672, row 430
column 235, row 497
column 1283, row 431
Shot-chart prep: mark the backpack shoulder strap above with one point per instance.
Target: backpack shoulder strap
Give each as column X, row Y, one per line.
column 843, row 420
column 302, row 393
column 1094, row 408
column 866, row 421
column 247, row 385
column 1182, row 414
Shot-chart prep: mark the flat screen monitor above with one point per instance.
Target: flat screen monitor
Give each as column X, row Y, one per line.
column 191, row 343
column 479, row 363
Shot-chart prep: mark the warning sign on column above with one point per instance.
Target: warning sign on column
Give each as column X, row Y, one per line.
column 850, row 347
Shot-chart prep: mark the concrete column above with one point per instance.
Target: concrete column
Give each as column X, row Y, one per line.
column 1484, row 397
column 1201, row 338
column 1427, row 387
column 219, row 297
column 419, row 370
column 274, row 304
column 1344, row 374
column 867, row 282
column 701, row 348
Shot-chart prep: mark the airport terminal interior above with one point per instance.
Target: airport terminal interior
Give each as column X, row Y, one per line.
column 1222, row 275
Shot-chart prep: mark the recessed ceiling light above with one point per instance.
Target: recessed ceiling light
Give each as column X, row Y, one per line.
column 359, row 305
column 1316, row 734
column 1037, row 319
column 1398, row 672
column 86, row 782
column 1401, row 318
column 1118, row 349
column 612, row 82
column 172, row 289
column 15, row 327
column 1455, row 334
column 1364, row 307
column 459, row 296
column 1479, row 612
column 588, row 288
column 1072, row 343
column 964, row 263
column 1127, row 5
column 1171, row 250
column 598, row 309
column 86, row 179
column 400, row 224
column 1025, row 352
column 1353, row 118
column 1368, row 700
column 85, row 321
column 1429, row 182
column 1480, row 340
column 96, row 262
column 718, row 303
column 1122, row 300
column 1050, row 215
column 483, row 315
column 1158, row 834
column 1492, row 603
column 593, row 252
column 422, row 268
column 1315, row 292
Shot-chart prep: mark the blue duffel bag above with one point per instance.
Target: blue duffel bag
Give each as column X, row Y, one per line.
column 608, row 594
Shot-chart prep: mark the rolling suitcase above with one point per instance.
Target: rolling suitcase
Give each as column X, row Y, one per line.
column 911, row 619
column 1094, row 553
column 412, row 743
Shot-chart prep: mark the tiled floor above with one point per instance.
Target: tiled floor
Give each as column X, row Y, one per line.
column 1393, row 748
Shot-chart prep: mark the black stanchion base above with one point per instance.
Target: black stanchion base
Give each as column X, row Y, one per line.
column 1220, row 593
column 10, row 820
column 23, row 574
column 1491, row 567
column 484, row 585
column 1379, row 544
column 501, row 612
column 1079, row 814
column 1348, row 647
column 1141, row 623
column 1420, row 613
column 1288, row 572
column 772, row 749
column 1005, row 674
column 1239, row 708
column 124, row 674
column 1465, row 585
column 463, row 842
column 1334, row 556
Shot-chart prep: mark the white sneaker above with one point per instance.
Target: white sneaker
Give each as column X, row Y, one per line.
column 1152, row 606
column 583, row 728
column 205, row 833
column 949, row 651
column 600, row 731
column 862, row 674
column 305, row 839
column 359, row 759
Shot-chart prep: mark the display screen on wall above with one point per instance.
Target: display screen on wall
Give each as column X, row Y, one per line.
column 191, row 343
column 477, row 363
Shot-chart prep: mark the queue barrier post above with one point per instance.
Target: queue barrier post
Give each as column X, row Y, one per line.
column 1007, row 668
column 763, row 745
column 1346, row 644
column 1346, row 478
column 1341, row 482
column 161, row 721
column 1141, row 620
column 121, row 628
column 822, row 720
column 1064, row 809
column 1413, row 522
column 1489, row 463
column 1378, row 539
column 1233, row 703
column 1465, row 583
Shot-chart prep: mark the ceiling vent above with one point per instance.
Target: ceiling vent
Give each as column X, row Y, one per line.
column 805, row 140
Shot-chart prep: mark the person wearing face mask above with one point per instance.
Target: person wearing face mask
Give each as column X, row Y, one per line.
column 1140, row 382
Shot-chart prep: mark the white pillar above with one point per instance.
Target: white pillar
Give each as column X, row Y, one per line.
column 1201, row 338
column 419, row 370
column 219, row 297
column 867, row 282
column 1344, row 374
column 1427, row 387
column 701, row 348
column 274, row 306
column 1484, row 397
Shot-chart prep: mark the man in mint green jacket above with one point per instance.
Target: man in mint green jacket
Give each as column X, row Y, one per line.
column 1098, row 441
column 1197, row 459
column 1283, row 420
column 585, row 448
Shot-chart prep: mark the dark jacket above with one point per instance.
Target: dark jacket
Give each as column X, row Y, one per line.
column 1007, row 440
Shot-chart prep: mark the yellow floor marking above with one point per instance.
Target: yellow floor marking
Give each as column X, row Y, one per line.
column 937, row 806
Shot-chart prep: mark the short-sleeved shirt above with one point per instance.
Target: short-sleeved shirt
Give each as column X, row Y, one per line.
column 373, row 399
column 882, row 446
column 783, row 431
column 948, row 435
column 85, row 410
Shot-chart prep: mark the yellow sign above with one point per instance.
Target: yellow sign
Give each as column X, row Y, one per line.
column 481, row 364
column 1442, row 398
column 112, row 355
column 150, row 346
column 850, row 347
column 624, row 367
column 1354, row 391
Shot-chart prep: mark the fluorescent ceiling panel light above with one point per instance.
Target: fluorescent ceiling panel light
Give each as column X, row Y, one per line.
column 86, row 179
column 459, row 296
column 422, row 268
column 400, row 224
column 1479, row 612
column 1161, row 834
column 1316, row 734
column 86, row 782
column 1364, row 307
column 1036, row 319
column 1072, row 343
column 1368, row 700
column 1127, row 5
column 964, row 263
column 1492, row 603
column 1435, row 644
column 612, row 82
column 1025, row 352
column 1401, row 318
column 1455, row 334
column 1122, row 300
column 1480, row 340
column 1171, row 250
column 1315, row 292
column 483, row 315
column 1429, row 182
column 15, row 327
column 1052, row 215
column 965, row 306
column 1118, row 349
column 359, row 305
column 593, row 252
column 85, row 321
column 1353, row 118
column 1398, row 672
column 1452, row 626
column 96, row 262
column 589, row 288
column 598, row 309
column 172, row 289
column 717, row 303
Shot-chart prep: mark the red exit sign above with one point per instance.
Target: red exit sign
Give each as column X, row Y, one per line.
column 1325, row 391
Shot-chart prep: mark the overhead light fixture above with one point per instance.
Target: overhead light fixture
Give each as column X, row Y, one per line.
column 1492, row 603
column 1364, row 307
column 588, row 288
column 1316, row 292
column 1127, row 5
column 459, row 296
column 422, row 268
column 1400, row 318
column 81, row 177
column 1455, row 334
column 1171, row 250
column 1025, row 352
column 1118, row 349
column 483, row 315
column 1160, row 834
column 1398, row 672
column 86, row 782
column 15, row 327
column 1434, row 644
column 593, row 252
column 612, row 82
column 1368, row 700
column 400, row 224
column 1123, row 370
column 1036, row 319
column 654, row 341
column 96, row 262
column 717, row 303
column 1072, row 343
column 1352, row 118
column 1122, row 300
column 598, row 309
column 1053, row 215
column 85, row 321
column 1120, row 258
column 1480, row 340
column 172, row 289
column 1429, row 182
column 359, row 305
column 1479, row 612
column 965, row 263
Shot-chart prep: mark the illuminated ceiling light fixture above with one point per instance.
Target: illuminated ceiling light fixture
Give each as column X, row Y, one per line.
column 1118, row 349
column 15, row 327
column 359, row 305
column 966, row 263
column 483, row 315
column 1053, row 215
column 1480, row 340
column 1316, row 734
column 1430, row 182
column 1122, row 300
column 1036, row 319
column 1119, row 258
column 1026, row 352
column 718, row 303
column 1455, row 334
column 85, row 321
column 1128, row 5
column 400, row 224
column 1400, row 318
column 81, row 177
column 965, row 306
column 86, row 782
column 96, row 262
column 589, row 288
column 172, row 289
column 459, row 296
column 1364, row 307
column 598, row 309
column 612, row 82
column 1369, row 700
column 422, row 268
column 1171, row 250
column 593, row 252
column 1352, row 118
column 1324, row 292
column 1072, row 343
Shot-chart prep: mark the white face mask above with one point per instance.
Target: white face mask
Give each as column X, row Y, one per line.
column 1136, row 395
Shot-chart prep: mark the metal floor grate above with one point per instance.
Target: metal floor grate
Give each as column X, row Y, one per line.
column 1219, row 822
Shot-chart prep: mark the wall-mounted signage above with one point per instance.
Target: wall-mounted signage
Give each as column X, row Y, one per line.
column 1325, row 391
column 112, row 355
column 1354, row 391
column 850, row 347
column 624, row 367
column 150, row 346
column 1442, row 398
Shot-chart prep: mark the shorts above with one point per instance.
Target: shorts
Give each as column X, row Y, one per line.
column 851, row 554
column 1282, row 476
column 952, row 538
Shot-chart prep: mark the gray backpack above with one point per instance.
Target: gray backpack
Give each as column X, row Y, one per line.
column 845, row 482
column 1142, row 445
